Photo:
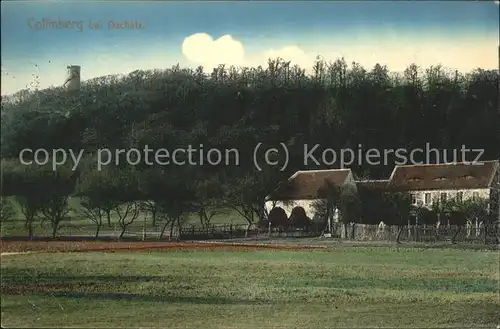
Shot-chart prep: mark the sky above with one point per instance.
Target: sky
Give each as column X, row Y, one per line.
column 460, row 35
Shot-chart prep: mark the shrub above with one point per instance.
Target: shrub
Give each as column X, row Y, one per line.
column 299, row 219
column 278, row 217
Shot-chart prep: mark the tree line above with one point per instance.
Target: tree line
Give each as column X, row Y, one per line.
column 339, row 106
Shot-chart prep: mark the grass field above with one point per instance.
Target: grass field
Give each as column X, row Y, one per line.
column 341, row 287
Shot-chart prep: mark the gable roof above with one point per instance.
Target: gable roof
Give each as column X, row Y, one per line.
column 305, row 185
column 443, row 176
column 379, row 184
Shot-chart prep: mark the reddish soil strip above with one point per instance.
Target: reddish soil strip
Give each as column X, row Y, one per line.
column 87, row 246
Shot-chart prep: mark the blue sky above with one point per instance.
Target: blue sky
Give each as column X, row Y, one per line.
column 457, row 34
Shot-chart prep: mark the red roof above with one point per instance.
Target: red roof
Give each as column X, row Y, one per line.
column 444, row 176
column 305, row 185
column 372, row 184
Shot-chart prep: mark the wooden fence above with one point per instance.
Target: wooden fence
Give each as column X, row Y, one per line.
column 225, row 231
column 420, row 233
column 230, row 231
column 359, row 232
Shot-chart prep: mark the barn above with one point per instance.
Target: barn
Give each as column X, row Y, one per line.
column 302, row 189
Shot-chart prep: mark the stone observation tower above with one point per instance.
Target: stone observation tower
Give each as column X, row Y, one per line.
column 73, row 78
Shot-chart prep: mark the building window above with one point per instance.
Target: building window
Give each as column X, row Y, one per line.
column 427, row 198
column 413, row 198
column 475, row 195
column 443, row 196
column 460, row 196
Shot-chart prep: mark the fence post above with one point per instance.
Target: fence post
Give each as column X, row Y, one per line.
column 144, row 229
column 409, row 230
column 485, row 225
column 416, row 228
column 231, row 230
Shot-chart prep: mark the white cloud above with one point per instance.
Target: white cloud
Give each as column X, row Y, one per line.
column 294, row 54
column 202, row 49
column 396, row 53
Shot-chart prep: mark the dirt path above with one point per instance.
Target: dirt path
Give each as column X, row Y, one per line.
column 17, row 247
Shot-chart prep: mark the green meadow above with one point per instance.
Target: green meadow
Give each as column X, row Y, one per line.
column 339, row 287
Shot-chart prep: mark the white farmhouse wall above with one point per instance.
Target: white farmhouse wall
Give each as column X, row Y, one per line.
column 308, row 206
column 451, row 194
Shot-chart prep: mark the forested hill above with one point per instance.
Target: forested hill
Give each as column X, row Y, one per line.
column 339, row 106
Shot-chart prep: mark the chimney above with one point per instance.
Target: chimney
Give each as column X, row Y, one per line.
column 73, row 77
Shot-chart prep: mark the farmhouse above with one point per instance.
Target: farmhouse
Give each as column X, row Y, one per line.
column 302, row 189
column 438, row 182
column 425, row 183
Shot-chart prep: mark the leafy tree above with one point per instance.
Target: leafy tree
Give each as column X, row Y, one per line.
column 39, row 190
column 179, row 201
column 350, row 206
column 125, row 193
column 247, row 194
column 209, row 200
column 55, row 209
column 401, row 208
column 330, row 203
column 93, row 210
column 127, row 212
column 458, row 212
column 299, row 218
column 97, row 189
column 476, row 210
column 30, row 208
column 278, row 218
column 112, row 190
column 345, row 199
column 6, row 209
column 151, row 188
column 441, row 208
column 58, row 186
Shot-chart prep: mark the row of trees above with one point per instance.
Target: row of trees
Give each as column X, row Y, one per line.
column 123, row 193
column 43, row 194
column 339, row 106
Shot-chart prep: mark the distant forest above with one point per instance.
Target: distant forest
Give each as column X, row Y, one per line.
column 338, row 106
